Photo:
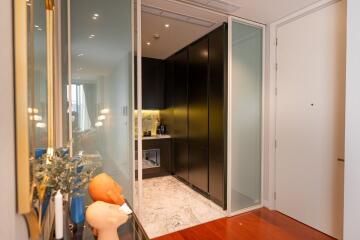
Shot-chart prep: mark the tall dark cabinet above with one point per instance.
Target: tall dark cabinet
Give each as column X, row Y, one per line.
column 196, row 103
column 180, row 114
column 217, row 92
column 198, row 114
column 153, row 76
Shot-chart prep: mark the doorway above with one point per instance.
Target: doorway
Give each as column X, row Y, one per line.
column 214, row 131
column 310, row 118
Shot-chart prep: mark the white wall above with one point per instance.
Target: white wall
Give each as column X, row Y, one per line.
column 12, row 226
column 352, row 129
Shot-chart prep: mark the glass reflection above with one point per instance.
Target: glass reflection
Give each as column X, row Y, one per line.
column 37, row 76
column 246, row 116
column 101, row 86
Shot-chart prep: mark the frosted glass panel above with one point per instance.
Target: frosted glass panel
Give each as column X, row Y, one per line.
column 101, row 89
column 246, row 108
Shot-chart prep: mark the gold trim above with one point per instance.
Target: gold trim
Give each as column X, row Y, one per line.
column 50, row 75
column 21, row 88
column 49, row 5
column 32, row 222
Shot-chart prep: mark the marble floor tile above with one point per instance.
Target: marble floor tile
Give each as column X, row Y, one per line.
column 169, row 205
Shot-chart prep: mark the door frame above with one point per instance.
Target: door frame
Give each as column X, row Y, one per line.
column 229, row 104
column 272, row 89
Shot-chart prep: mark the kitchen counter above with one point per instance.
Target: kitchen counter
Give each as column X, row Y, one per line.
column 156, row 137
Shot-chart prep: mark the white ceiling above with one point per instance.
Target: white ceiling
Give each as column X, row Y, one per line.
column 262, row 11
column 180, row 33
column 113, row 38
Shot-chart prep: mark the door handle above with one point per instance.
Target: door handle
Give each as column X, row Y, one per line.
column 341, row 160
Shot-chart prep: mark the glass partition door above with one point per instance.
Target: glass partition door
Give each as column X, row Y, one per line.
column 101, row 85
column 245, row 116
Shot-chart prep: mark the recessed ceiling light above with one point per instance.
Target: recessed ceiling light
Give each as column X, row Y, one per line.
column 39, row 29
column 167, row 25
column 92, row 36
column 36, row 26
column 148, row 43
column 95, row 16
column 80, row 55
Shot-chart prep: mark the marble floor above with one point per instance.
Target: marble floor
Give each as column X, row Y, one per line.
column 169, row 206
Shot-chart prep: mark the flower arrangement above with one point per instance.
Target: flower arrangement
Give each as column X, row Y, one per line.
column 58, row 171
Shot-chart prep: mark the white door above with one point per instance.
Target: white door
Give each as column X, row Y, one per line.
column 310, row 118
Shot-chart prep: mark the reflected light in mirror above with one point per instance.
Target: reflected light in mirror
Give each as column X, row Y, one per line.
column 101, row 117
column 98, row 124
column 36, row 118
column 40, row 125
column 33, row 110
column 105, row 111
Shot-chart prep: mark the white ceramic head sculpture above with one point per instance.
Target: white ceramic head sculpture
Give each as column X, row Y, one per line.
column 105, row 218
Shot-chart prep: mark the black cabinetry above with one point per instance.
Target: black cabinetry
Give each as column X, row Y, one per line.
column 198, row 114
column 196, row 103
column 217, row 92
column 153, row 90
column 164, row 146
column 180, row 114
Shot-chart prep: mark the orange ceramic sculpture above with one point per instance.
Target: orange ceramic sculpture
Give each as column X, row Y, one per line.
column 104, row 188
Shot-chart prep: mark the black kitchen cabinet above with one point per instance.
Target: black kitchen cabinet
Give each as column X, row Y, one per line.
column 217, row 92
column 164, row 145
column 153, row 90
column 198, row 114
column 180, row 113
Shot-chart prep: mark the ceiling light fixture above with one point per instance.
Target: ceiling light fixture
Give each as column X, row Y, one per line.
column 222, row 5
column 148, row 43
column 177, row 16
column 95, row 16
column 92, row 36
column 80, row 55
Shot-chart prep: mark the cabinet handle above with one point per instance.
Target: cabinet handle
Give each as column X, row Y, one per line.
column 341, row 160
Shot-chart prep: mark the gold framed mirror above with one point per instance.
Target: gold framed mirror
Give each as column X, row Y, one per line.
column 34, row 100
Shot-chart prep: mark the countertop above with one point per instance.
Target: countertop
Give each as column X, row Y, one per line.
column 155, row 137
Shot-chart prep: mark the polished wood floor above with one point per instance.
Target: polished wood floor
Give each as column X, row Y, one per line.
column 261, row 224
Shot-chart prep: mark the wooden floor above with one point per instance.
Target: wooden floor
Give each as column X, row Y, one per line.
column 259, row 224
